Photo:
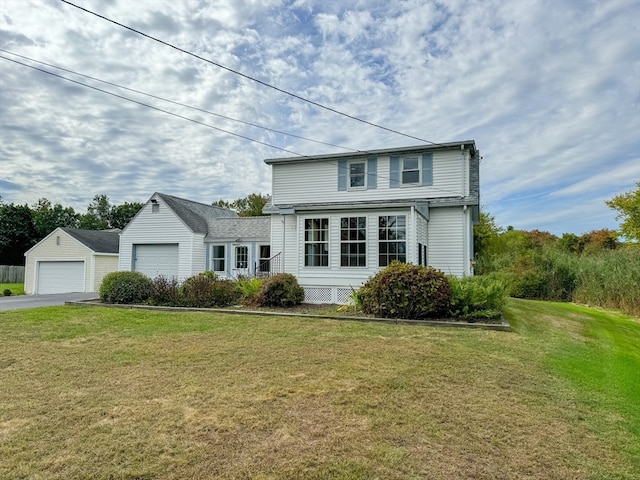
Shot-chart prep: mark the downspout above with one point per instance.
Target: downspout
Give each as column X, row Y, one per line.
column 414, row 233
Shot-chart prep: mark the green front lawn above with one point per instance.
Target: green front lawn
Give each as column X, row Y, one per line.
column 16, row 288
column 116, row 393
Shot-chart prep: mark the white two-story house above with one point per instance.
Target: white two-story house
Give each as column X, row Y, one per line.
column 338, row 219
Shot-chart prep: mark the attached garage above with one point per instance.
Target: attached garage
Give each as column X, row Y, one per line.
column 71, row 260
column 60, row 277
column 154, row 260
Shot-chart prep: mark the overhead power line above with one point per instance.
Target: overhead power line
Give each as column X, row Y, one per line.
column 181, row 104
column 249, row 77
column 155, row 108
column 327, row 161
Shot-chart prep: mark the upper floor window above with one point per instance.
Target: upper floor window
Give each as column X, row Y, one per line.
column 410, row 170
column 357, row 175
column 316, row 242
column 392, row 239
column 353, row 245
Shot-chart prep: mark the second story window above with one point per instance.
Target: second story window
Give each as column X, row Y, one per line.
column 316, row 242
column 357, row 175
column 411, row 171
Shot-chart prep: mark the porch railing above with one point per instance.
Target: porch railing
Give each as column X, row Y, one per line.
column 269, row 267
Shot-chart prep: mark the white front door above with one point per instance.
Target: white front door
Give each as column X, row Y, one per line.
column 240, row 265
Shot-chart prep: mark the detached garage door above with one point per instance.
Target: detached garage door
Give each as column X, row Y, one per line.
column 60, row 277
column 154, row 260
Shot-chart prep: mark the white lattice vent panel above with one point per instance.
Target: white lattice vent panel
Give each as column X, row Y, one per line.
column 317, row 294
column 343, row 295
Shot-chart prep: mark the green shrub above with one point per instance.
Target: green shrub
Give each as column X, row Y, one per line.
column 402, row 290
column 280, row 290
column 249, row 288
column 125, row 287
column 475, row 298
column 207, row 290
column 6, row 292
column 165, row 291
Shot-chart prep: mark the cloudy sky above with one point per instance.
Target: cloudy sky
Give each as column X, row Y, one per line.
column 549, row 90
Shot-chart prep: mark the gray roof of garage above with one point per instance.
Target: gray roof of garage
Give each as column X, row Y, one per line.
column 100, row 241
column 195, row 215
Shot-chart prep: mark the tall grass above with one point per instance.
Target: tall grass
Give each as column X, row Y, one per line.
column 610, row 279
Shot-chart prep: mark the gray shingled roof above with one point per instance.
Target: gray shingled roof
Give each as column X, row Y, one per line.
column 194, row 214
column 100, row 241
column 244, row 228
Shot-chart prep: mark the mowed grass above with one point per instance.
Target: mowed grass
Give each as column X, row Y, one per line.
column 129, row 394
column 16, row 288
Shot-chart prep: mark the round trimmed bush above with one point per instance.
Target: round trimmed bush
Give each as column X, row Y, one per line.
column 403, row 290
column 125, row 287
column 280, row 290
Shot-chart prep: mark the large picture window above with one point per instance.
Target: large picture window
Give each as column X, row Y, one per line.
column 353, row 245
column 217, row 258
column 316, row 242
column 392, row 239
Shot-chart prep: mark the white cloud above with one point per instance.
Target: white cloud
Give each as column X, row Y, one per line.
column 549, row 91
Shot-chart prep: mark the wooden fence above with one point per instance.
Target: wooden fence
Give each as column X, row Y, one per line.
column 11, row 274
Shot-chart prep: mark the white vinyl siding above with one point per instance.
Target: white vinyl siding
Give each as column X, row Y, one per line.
column 317, row 182
column 60, row 277
column 448, row 250
column 163, row 227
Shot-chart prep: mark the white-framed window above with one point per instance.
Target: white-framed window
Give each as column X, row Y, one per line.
column 217, row 258
column 392, row 239
column 411, row 170
column 242, row 256
column 265, row 256
column 353, row 242
column 316, row 242
column 357, row 175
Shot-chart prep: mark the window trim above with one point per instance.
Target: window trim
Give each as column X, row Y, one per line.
column 364, row 175
column 418, row 169
column 395, row 241
column 238, row 258
column 322, row 244
column 264, row 261
column 362, row 242
column 214, row 258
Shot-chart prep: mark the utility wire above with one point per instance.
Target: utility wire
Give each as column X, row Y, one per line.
column 156, row 108
column 253, row 79
column 181, row 104
column 329, row 162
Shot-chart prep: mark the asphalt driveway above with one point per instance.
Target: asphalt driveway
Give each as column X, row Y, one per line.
column 34, row 301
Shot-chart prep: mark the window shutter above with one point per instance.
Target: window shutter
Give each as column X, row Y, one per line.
column 394, row 172
column 427, row 169
column 342, row 175
column 372, row 173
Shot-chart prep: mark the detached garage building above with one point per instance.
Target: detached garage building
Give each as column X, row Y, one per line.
column 71, row 260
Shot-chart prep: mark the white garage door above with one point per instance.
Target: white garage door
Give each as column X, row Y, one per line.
column 154, row 260
column 60, row 277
